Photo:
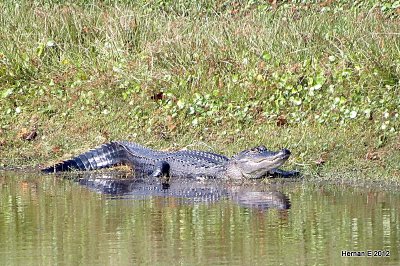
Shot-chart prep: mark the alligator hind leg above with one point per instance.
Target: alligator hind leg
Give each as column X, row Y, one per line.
column 162, row 169
column 282, row 173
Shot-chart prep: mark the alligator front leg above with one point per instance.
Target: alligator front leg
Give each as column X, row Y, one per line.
column 282, row 173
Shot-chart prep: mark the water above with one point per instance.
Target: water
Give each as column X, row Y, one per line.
column 49, row 220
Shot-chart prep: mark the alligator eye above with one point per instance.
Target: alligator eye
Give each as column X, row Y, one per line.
column 258, row 149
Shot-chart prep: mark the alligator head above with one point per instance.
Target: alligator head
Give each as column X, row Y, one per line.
column 255, row 162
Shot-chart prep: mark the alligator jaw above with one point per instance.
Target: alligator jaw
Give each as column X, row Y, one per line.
column 256, row 164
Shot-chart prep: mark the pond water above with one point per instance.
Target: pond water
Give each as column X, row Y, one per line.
column 108, row 219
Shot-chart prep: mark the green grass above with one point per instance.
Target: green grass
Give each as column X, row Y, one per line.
column 321, row 79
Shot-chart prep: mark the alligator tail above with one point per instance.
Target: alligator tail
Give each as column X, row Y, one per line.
column 106, row 155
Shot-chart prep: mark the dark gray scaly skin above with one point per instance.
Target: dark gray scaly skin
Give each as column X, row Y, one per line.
column 253, row 163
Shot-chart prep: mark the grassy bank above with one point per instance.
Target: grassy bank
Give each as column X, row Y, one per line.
column 321, row 79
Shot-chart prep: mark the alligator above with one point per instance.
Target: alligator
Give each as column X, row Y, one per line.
column 184, row 190
column 257, row 162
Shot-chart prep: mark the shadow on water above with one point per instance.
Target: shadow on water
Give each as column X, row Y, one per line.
column 251, row 194
column 109, row 219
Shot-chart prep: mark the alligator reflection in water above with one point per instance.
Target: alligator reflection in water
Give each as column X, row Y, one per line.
column 252, row 195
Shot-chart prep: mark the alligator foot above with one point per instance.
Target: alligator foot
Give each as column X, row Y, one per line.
column 283, row 173
column 162, row 171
